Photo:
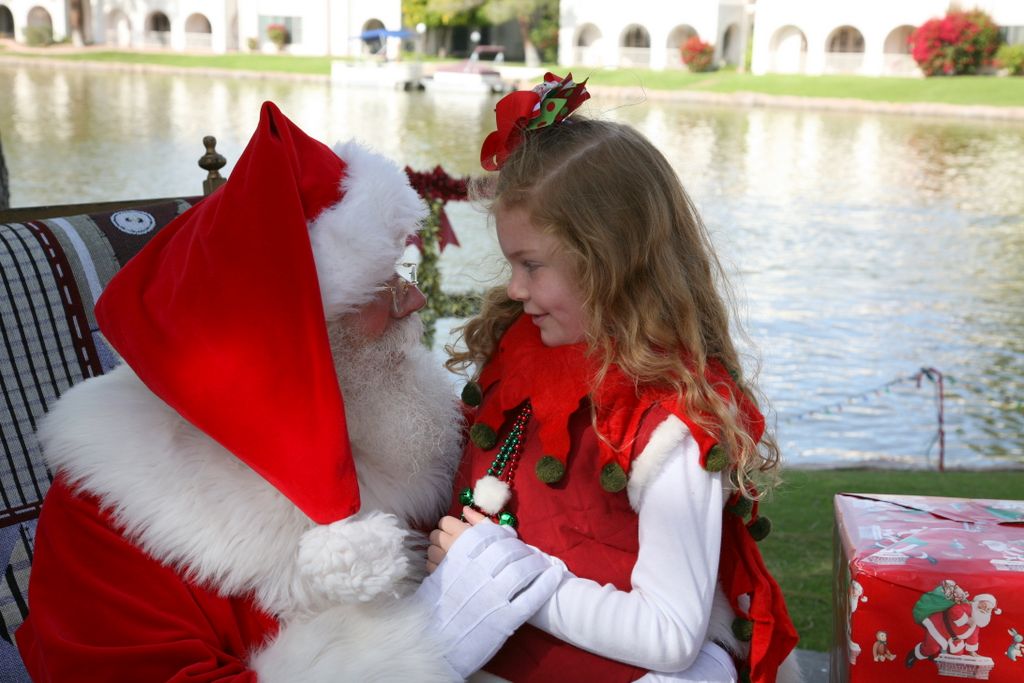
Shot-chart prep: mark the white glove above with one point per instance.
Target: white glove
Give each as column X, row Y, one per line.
column 486, row 587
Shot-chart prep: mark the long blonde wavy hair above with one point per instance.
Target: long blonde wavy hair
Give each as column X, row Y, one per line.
column 655, row 296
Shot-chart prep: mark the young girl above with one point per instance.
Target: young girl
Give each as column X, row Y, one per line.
column 614, row 429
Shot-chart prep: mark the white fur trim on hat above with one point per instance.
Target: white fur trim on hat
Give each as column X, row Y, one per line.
column 357, row 242
column 355, row 559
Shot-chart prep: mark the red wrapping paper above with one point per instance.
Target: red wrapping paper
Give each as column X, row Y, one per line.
column 928, row 589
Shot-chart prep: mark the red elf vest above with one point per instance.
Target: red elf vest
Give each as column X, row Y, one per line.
column 584, row 518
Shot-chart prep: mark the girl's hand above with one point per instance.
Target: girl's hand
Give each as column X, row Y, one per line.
column 447, row 532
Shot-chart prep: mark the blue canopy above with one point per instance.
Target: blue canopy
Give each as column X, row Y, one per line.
column 381, row 34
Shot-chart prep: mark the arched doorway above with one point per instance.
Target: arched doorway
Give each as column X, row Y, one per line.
column 731, row 45
column 198, row 32
column 39, row 29
column 119, row 29
column 635, row 46
column 588, row 46
column 158, row 29
column 844, row 52
column 788, row 50
column 677, row 37
column 6, row 22
column 898, row 61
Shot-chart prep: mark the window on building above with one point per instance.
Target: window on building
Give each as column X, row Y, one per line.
column 846, row 39
column 158, row 22
column 292, row 24
column 636, row 36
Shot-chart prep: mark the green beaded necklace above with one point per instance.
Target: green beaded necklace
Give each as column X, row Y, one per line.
column 494, row 489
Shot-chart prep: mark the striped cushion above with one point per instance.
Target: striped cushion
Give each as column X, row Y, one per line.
column 51, row 273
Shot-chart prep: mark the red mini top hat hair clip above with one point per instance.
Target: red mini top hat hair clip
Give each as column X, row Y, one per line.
column 548, row 103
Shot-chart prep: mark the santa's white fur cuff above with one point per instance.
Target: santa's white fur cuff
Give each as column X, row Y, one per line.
column 355, row 559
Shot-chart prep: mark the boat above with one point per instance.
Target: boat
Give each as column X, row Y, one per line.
column 474, row 75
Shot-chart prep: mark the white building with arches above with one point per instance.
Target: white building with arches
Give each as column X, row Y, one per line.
column 315, row 27
column 868, row 37
column 646, row 33
column 17, row 15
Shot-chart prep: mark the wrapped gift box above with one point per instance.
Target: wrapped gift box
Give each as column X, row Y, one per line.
column 927, row 589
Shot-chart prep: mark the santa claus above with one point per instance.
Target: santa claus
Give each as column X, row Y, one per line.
column 955, row 630
column 234, row 501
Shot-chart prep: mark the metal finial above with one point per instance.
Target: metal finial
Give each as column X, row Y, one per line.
column 212, row 162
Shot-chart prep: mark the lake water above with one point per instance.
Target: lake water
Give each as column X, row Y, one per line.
column 862, row 247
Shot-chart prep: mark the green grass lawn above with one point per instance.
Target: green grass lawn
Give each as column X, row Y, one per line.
column 978, row 90
column 986, row 90
column 239, row 61
column 799, row 549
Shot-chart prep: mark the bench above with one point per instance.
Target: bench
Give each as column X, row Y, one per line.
column 54, row 262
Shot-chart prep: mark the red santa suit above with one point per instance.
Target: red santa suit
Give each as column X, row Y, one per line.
column 648, row 560
column 950, row 631
column 955, row 630
column 206, row 522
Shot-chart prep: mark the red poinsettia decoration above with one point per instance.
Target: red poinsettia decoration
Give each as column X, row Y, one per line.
column 437, row 188
column 436, row 184
column 547, row 104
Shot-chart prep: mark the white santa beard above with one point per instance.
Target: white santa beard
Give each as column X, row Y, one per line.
column 403, row 420
column 981, row 618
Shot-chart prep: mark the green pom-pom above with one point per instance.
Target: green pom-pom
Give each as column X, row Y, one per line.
column 716, row 460
column 743, row 629
column 483, row 436
column 471, row 394
column 466, row 496
column 613, row 478
column 760, row 528
column 742, row 507
column 550, row 469
column 508, row 519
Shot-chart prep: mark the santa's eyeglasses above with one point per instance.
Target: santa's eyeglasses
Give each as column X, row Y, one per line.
column 400, row 284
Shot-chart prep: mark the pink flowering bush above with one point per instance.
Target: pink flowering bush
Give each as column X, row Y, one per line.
column 697, row 54
column 278, row 35
column 958, row 43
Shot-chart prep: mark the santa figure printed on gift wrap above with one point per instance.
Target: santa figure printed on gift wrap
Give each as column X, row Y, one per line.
column 856, row 597
column 952, row 626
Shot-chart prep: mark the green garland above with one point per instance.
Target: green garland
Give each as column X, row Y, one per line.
column 440, row 304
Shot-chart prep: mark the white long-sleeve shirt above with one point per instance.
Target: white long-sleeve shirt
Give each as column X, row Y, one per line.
column 661, row 623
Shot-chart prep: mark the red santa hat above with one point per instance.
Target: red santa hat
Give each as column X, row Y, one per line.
column 222, row 315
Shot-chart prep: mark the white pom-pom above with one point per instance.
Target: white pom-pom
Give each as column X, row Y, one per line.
column 355, row 559
column 490, row 494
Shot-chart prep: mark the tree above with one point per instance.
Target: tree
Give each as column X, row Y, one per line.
column 443, row 14
column 439, row 12
column 537, row 19
column 530, row 15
